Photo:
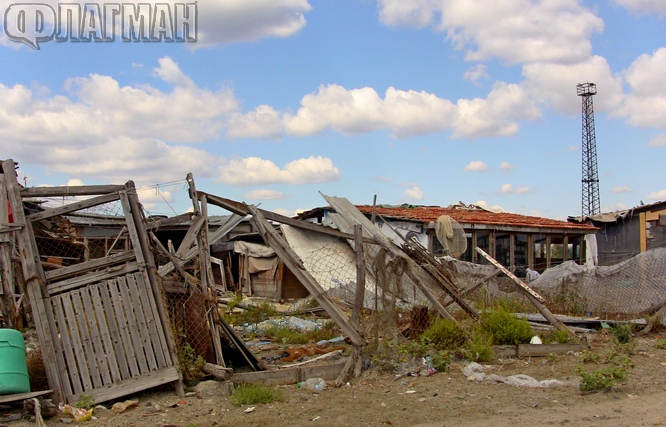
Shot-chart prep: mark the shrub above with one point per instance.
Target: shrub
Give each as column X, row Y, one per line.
column 660, row 344
column 506, row 329
column 250, row 394
column 602, row 379
column 479, row 348
column 443, row 334
column 622, row 333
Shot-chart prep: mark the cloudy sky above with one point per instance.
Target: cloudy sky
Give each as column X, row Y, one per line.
column 423, row 101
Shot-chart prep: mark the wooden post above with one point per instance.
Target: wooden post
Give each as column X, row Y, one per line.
column 35, row 285
column 6, row 275
column 534, row 297
column 294, row 263
column 354, row 363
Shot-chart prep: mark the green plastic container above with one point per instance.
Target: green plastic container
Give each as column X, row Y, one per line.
column 13, row 366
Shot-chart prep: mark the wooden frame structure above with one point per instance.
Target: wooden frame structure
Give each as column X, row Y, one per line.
column 101, row 324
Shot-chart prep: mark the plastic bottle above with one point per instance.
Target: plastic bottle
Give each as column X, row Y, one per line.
column 314, row 384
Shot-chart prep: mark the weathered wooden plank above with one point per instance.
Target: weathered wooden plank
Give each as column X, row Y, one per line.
column 132, row 326
column 114, row 330
column 23, row 396
column 190, row 237
column 88, row 266
column 86, row 338
column 293, row 262
column 154, row 224
column 241, row 209
column 217, row 371
column 536, row 299
column 94, row 329
column 76, row 341
column 161, row 334
column 35, row 284
column 151, row 277
column 103, row 323
column 152, row 321
column 64, row 191
column 123, row 324
column 72, row 207
column 328, row 371
column 98, row 276
column 141, row 321
column 74, row 384
column 131, row 386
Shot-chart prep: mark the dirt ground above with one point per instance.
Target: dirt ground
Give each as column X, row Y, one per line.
column 444, row 399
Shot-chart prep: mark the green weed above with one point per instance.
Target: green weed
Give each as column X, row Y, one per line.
column 443, row 334
column 251, row 394
column 506, row 329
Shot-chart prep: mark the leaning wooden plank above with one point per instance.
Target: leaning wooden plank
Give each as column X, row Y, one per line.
column 241, row 209
column 222, row 231
column 102, row 322
column 535, row 299
column 131, row 386
column 86, row 336
column 23, row 396
column 185, row 275
column 35, row 284
column 88, row 266
column 294, row 263
column 72, row 207
column 119, row 314
column 153, row 322
column 190, row 237
column 151, row 278
column 133, row 324
column 98, row 276
column 74, row 385
column 94, row 329
column 76, row 341
column 64, row 191
column 114, row 331
column 140, row 318
column 413, row 271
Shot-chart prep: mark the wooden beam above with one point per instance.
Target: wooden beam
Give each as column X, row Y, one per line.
column 536, row 299
column 241, row 209
column 84, row 267
column 72, row 207
column 64, row 191
column 294, row 263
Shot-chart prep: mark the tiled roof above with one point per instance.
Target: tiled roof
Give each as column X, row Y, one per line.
column 426, row 214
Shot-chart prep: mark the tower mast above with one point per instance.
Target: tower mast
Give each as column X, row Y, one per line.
column 590, row 180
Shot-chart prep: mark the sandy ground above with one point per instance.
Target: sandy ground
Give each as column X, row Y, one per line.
column 444, row 399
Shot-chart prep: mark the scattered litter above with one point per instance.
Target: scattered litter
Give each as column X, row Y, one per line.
column 248, row 410
column 536, row 340
column 410, row 392
column 119, row 407
column 474, row 372
column 79, row 414
column 315, row 418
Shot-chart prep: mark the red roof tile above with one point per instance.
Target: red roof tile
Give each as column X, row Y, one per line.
column 427, row 214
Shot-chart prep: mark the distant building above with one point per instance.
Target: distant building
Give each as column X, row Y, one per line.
column 517, row 241
column 624, row 234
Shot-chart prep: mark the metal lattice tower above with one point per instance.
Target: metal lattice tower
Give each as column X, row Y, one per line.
column 590, row 204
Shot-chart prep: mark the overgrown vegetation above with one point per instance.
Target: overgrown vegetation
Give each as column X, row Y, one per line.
column 479, row 348
column 443, row 334
column 250, row 314
column 190, row 362
column 616, row 359
column 286, row 335
column 251, row 394
column 602, row 379
column 505, row 329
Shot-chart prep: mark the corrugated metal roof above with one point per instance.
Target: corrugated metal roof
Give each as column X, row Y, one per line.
column 426, row 214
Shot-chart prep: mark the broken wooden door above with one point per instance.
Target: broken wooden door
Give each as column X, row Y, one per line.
column 101, row 323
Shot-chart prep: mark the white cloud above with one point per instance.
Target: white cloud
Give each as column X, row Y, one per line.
column 644, row 7
column 414, row 192
column 477, row 72
column 657, row 195
column 555, row 84
column 621, row 189
column 512, row 31
column 256, row 171
column 264, row 195
column 506, row 166
column 645, row 106
column 507, row 189
column 263, row 122
column 657, row 141
column 476, row 166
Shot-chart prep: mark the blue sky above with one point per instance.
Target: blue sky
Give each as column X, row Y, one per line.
column 424, row 102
